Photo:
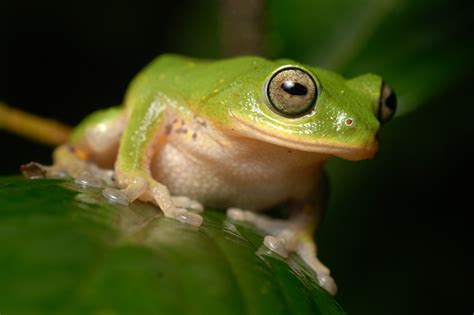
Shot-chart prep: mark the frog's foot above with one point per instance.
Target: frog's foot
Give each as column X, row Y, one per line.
column 145, row 188
column 306, row 249
column 71, row 162
column 188, row 203
column 84, row 174
column 285, row 236
column 263, row 222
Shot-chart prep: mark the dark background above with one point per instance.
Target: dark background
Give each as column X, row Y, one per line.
column 398, row 235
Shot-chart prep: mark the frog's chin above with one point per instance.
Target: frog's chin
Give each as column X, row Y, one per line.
column 345, row 151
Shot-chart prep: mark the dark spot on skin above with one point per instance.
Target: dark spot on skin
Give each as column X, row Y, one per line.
column 181, row 130
column 289, row 151
column 182, row 122
column 175, row 121
column 194, row 136
column 168, row 129
column 200, row 121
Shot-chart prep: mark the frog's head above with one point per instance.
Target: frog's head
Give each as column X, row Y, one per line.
column 311, row 109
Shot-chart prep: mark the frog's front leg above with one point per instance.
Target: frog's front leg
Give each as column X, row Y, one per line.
column 293, row 235
column 143, row 137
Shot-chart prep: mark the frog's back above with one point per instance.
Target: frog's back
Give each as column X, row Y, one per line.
column 190, row 78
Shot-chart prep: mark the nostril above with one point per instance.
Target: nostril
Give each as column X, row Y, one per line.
column 349, row 122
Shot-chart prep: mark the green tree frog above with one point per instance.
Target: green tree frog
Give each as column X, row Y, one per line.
column 243, row 134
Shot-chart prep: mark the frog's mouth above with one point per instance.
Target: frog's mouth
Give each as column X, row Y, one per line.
column 345, row 151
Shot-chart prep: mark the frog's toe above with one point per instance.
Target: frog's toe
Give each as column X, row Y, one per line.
column 106, row 175
column 188, row 203
column 327, row 283
column 186, row 216
column 265, row 223
column 34, row 170
column 87, row 179
column 275, row 245
column 280, row 246
column 306, row 249
column 115, row 196
column 238, row 214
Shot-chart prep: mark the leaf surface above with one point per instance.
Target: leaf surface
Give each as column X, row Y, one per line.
column 66, row 250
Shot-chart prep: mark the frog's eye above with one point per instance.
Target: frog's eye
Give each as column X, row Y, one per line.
column 387, row 104
column 291, row 91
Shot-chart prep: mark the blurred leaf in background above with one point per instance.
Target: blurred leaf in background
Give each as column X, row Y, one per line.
column 396, row 235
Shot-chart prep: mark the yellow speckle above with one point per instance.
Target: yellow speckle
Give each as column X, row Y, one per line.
column 191, row 64
column 162, row 76
column 215, row 91
column 221, row 81
column 81, row 154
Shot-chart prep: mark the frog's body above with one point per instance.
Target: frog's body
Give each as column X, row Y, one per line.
column 244, row 132
column 226, row 171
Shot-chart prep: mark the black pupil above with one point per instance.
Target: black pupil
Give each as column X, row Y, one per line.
column 294, row 88
column 391, row 101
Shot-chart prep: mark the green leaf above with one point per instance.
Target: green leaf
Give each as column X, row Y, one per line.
column 66, row 250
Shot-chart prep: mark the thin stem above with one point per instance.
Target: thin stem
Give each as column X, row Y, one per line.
column 47, row 131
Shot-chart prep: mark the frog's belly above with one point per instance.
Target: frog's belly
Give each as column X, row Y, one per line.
column 245, row 184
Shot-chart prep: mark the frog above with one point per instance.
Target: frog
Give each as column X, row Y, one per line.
column 244, row 134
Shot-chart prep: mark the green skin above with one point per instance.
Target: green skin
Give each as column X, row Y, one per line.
column 230, row 95
column 213, row 90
